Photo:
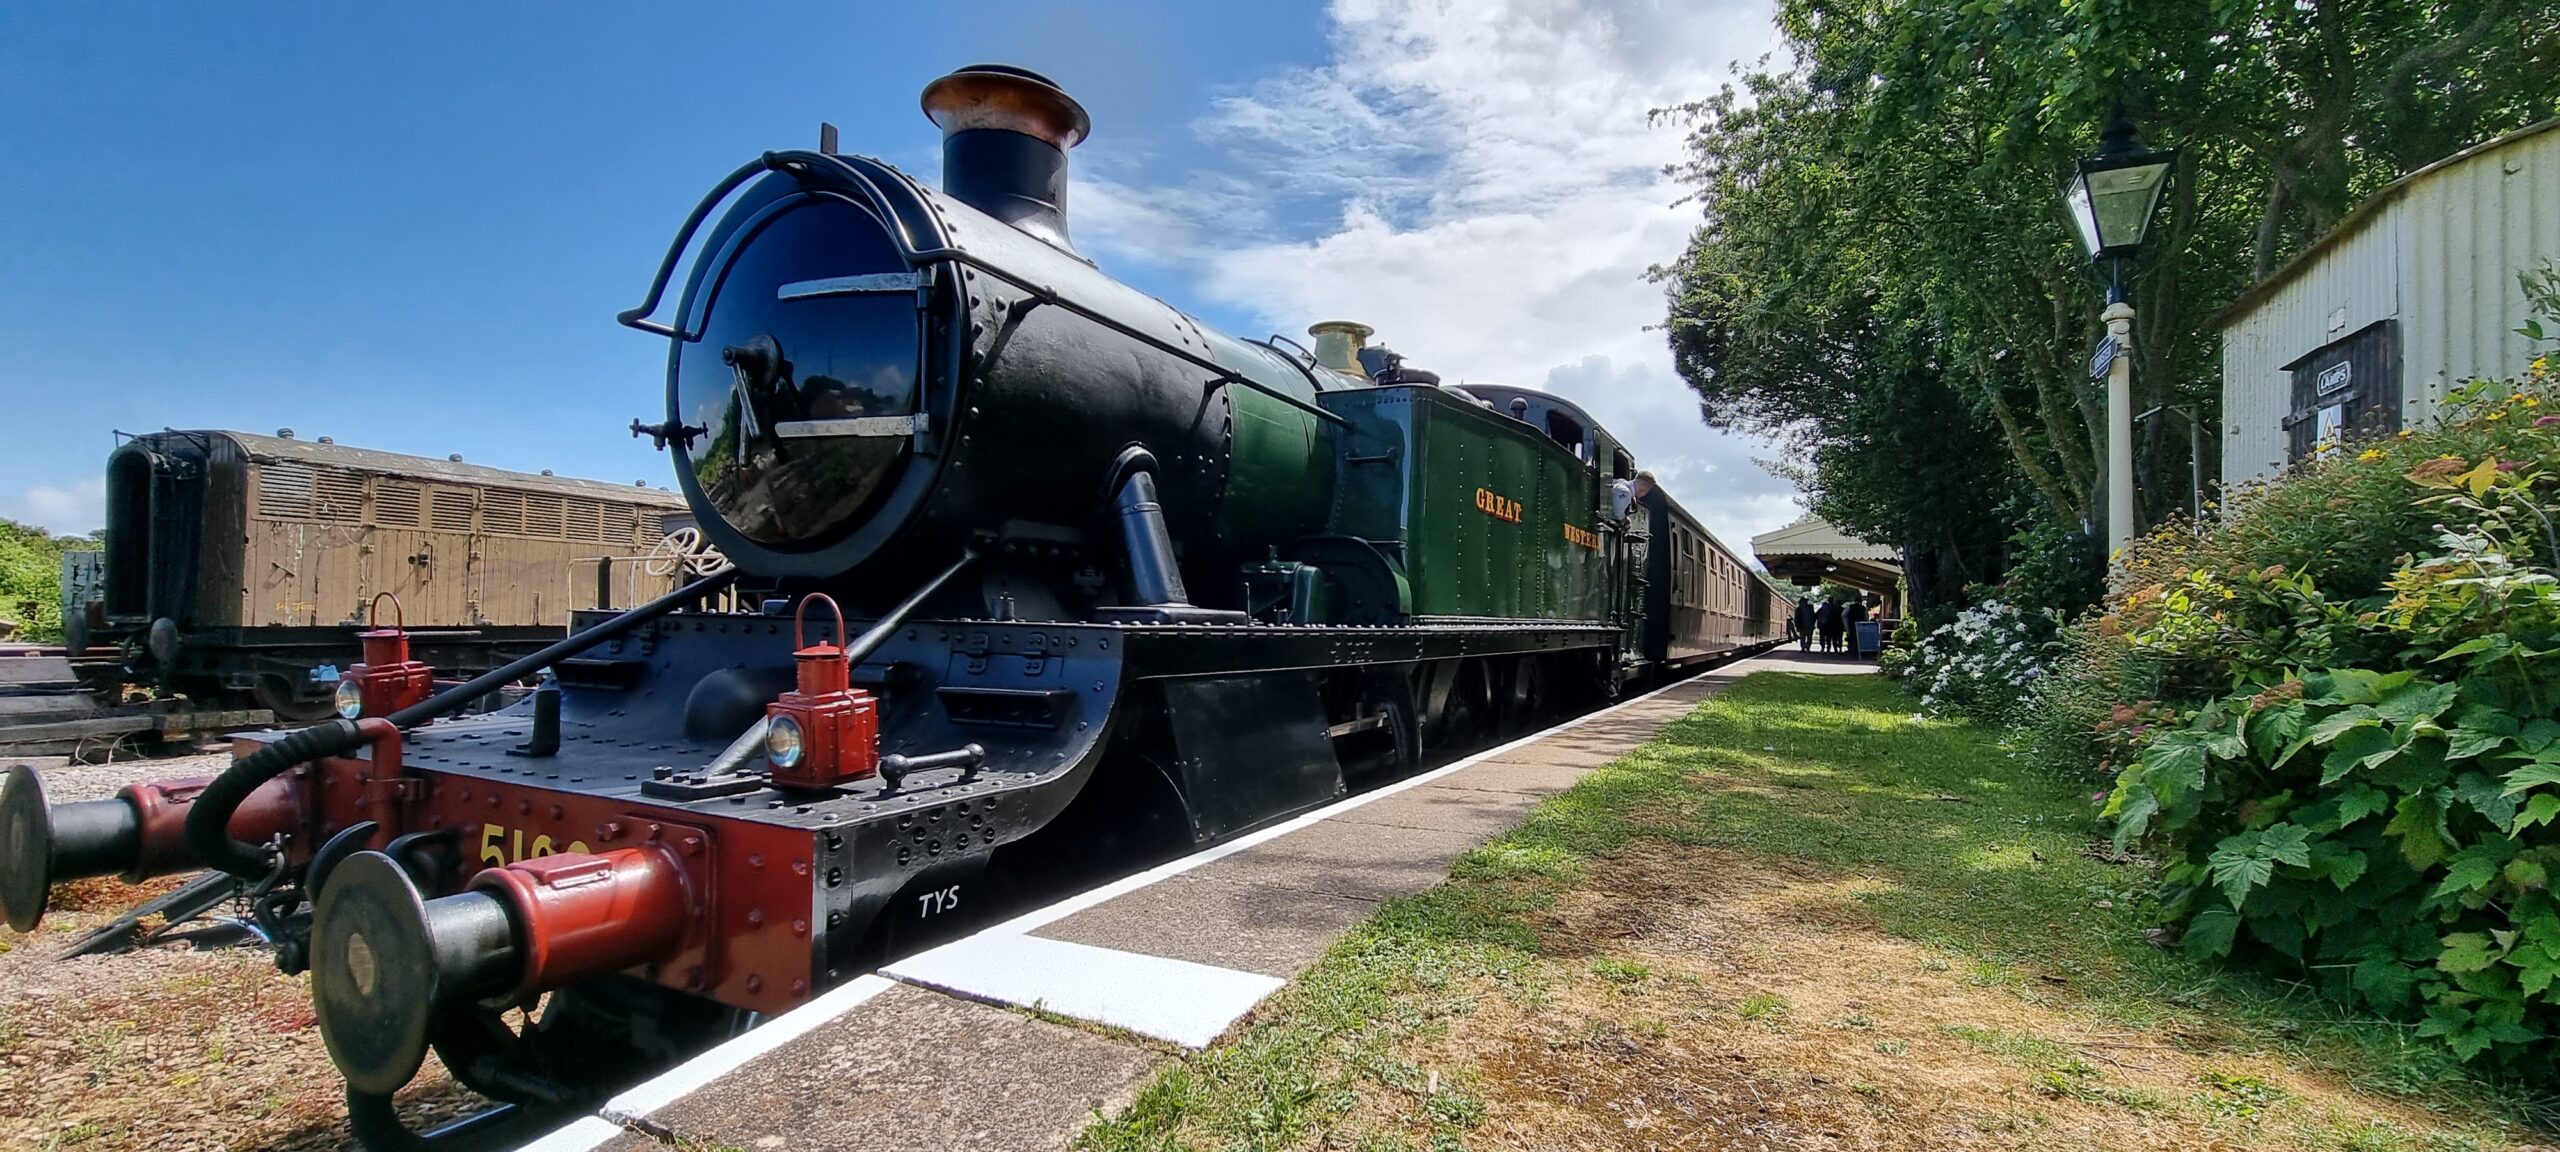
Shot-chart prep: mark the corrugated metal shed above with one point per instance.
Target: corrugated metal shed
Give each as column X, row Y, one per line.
column 2435, row 256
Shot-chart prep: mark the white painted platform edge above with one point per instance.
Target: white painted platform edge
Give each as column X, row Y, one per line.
column 669, row 1086
column 1182, row 1001
column 576, row 1136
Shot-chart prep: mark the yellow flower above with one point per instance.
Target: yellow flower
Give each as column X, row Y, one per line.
column 2533, row 401
column 2369, row 455
column 2402, row 434
column 2500, row 414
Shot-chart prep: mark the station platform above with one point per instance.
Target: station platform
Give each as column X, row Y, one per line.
column 1017, row 1036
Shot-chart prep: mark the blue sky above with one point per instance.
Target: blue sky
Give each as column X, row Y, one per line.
column 409, row 227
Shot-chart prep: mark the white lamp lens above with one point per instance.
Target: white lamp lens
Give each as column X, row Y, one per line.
column 350, row 699
column 782, row 742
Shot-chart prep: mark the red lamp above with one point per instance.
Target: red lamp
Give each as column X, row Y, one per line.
column 825, row 732
column 388, row 680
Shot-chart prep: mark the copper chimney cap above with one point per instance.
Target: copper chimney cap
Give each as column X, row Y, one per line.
column 1006, row 97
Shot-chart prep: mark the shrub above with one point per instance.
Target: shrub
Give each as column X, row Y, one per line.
column 1980, row 663
column 2059, row 571
column 2352, row 769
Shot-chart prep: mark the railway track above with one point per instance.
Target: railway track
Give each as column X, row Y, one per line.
column 55, row 702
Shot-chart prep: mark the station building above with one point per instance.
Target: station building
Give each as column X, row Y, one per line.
column 2413, row 293
column 1812, row 552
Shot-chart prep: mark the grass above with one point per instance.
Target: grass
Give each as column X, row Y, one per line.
column 1916, row 853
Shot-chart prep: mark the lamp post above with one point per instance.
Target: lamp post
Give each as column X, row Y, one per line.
column 2112, row 198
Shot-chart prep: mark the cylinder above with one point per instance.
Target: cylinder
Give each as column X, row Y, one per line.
column 95, row 838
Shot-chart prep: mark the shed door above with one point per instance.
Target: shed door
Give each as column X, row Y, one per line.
column 2349, row 388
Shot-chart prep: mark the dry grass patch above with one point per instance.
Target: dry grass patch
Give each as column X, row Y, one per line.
column 165, row 1048
column 1803, row 919
column 1727, row 1001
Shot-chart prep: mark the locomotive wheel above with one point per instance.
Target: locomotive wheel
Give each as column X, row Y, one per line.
column 1524, row 699
column 1469, row 716
column 558, row 1052
column 1394, row 749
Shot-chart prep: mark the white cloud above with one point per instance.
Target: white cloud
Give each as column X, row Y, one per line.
column 1487, row 192
column 75, row 510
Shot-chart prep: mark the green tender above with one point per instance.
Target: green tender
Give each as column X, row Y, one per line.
column 1487, row 516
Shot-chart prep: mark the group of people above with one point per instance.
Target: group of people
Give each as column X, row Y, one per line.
column 1832, row 622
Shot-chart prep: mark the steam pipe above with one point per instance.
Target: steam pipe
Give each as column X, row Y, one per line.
column 1154, row 578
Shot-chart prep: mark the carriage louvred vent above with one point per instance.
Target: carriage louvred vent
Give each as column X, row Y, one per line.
column 396, row 505
column 502, row 511
column 586, row 520
column 450, row 511
column 619, row 520
column 284, row 492
column 542, row 516
column 338, row 497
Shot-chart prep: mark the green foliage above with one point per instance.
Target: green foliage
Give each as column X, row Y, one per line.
column 2357, row 780
column 1884, row 278
column 31, row 577
column 2058, row 571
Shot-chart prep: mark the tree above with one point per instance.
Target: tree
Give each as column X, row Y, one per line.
column 1913, row 155
column 1821, row 347
column 31, row 577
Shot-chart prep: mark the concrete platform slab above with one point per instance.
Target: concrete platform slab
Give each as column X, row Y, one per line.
column 1480, row 812
column 1535, row 780
column 1341, row 858
column 1180, row 1001
column 911, row 1069
column 1249, row 927
column 1567, row 751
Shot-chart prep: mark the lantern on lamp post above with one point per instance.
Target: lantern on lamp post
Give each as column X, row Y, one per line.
column 2112, row 198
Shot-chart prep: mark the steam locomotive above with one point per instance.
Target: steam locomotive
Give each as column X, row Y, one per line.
column 1038, row 571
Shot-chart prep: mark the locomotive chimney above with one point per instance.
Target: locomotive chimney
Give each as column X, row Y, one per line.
column 1005, row 135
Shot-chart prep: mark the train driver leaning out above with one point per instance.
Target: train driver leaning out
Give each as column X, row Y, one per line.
column 1623, row 494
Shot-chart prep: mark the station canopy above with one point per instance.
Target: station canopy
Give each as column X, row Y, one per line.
column 1811, row 551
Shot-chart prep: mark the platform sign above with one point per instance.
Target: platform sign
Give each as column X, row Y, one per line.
column 2103, row 359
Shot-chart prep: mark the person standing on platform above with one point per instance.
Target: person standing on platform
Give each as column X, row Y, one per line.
column 1828, row 618
column 1804, row 624
column 1852, row 616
